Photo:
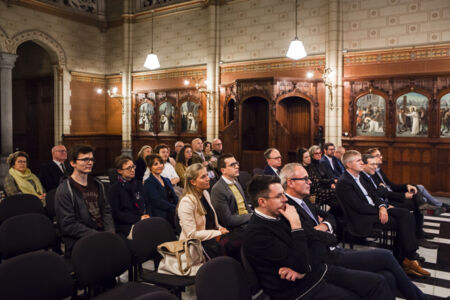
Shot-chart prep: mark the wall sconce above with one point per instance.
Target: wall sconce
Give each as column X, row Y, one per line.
column 112, row 93
column 327, row 77
column 203, row 90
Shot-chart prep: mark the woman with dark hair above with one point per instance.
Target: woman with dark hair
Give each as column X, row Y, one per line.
column 322, row 187
column 141, row 166
column 207, row 148
column 183, row 161
column 19, row 179
column 159, row 190
column 197, row 216
column 126, row 197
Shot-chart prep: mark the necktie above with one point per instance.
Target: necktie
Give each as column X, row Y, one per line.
column 364, row 192
column 381, row 177
column 308, row 211
column 63, row 169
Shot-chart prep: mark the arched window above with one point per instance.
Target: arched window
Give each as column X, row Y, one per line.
column 444, row 114
column 189, row 117
column 412, row 115
column 370, row 115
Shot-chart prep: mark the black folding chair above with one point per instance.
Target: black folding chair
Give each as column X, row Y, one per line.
column 255, row 287
column 20, row 204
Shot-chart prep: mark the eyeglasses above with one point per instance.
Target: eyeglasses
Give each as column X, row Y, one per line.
column 130, row 168
column 279, row 196
column 331, row 149
column 234, row 164
column 320, row 152
column 87, row 159
column 278, row 157
column 217, row 144
column 306, row 178
column 21, row 161
column 378, row 155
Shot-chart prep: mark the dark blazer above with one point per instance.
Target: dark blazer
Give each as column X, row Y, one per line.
column 269, row 171
column 196, row 158
column 224, row 202
column 398, row 190
column 326, row 166
column 361, row 214
column 51, row 175
column 156, row 196
column 141, row 167
column 318, row 241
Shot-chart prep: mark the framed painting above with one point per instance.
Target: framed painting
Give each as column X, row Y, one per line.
column 444, row 113
column 370, row 115
column 412, row 115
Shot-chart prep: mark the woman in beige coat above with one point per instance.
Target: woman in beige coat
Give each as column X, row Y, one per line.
column 196, row 214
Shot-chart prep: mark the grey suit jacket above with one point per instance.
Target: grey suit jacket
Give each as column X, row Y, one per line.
column 224, row 202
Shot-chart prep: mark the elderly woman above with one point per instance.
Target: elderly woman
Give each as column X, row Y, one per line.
column 183, row 161
column 141, row 166
column 197, row 216
column 127, row 198
column 159, row 191
column 20, row 180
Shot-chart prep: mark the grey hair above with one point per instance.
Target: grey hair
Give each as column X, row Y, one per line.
column 288, row 172
column 313, row 149
column 349, row 156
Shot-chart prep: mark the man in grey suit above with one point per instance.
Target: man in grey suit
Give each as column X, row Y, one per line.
column 228, row 197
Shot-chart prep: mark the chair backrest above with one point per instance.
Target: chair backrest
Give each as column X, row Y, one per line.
column 26, row 233
column 20, row 204
column 50, row 199
column 98, row 257
column 35, row 275
column 258, row 171
column 148, row 234
column 222, row 278
column 255, row 287
column 160, row 295
column 244, row 178
column 347, row 223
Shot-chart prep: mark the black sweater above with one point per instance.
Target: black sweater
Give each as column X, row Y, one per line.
column 270, row 245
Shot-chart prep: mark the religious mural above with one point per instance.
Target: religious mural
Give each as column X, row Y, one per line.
column 189, row 117
column 167, row 117
column 412, row 115
column 445, row 115
column 146, row 112
column 370, row 115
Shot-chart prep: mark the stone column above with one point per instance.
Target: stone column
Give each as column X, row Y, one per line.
column 58, row 103
column 7, row 61
column 212, row 75
column 333, row 103
column 127, row 81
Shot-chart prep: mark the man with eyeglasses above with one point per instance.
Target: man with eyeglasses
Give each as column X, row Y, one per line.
column 367, row 211
column 274, row 162
column 319, row 226
column 54, row 171
column 80, row 201
column 330, row 164
column 228, row 197
column 277, row 247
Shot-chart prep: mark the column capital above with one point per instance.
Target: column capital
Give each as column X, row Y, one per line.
column 7, row 60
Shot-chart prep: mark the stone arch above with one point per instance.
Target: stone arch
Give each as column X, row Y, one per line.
column 54, row 49
column 3, row 39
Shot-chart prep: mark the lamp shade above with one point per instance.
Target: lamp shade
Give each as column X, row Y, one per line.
column 151, row 62
column 296, row 50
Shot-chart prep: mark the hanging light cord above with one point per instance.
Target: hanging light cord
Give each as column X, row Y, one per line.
column 152, row 32
column 296, row 5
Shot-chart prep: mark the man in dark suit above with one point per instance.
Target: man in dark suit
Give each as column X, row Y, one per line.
column 197, row 152
column 329, row 163
column 367, row 211
column 228, row 197
column 274, row 162
column 51, row 173
column 395, row 199
column 319, row 226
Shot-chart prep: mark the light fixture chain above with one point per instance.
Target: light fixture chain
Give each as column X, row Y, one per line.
column 152, row 32
column 296, row 6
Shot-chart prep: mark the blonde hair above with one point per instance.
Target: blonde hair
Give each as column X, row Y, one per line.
column 192, row 173
column 141, row 152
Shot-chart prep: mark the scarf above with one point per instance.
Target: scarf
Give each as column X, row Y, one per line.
column 27, row 182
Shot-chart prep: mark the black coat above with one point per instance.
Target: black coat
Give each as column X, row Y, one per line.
column 51, row 175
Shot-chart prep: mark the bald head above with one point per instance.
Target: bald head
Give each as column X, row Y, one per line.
column 197, row 145
column 59, row 153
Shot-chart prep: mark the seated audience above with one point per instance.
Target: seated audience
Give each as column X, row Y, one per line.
column 277, row 247
column 19, row 179
column 395, row 199
column 197, row 155
column 80, row 201
column 319, row 227
column 178, row 145
column 322, row 188
column 126, row 198
column 196, row 214
column 183, row 161
column 340, row 150
column 367, row 211
column 228, row 197
column 274, row 160
column 159, row 191
column 141, row 166
column 168, row 171
column 330, row 164
column 52, row 173
column 216, row 147
column 207, row 151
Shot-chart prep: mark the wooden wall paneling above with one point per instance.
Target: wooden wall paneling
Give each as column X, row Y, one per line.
column 113, row 105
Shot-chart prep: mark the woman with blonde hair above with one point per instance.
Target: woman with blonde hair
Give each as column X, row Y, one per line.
column 141, row 166
column 197, row 216
column 20, row 180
